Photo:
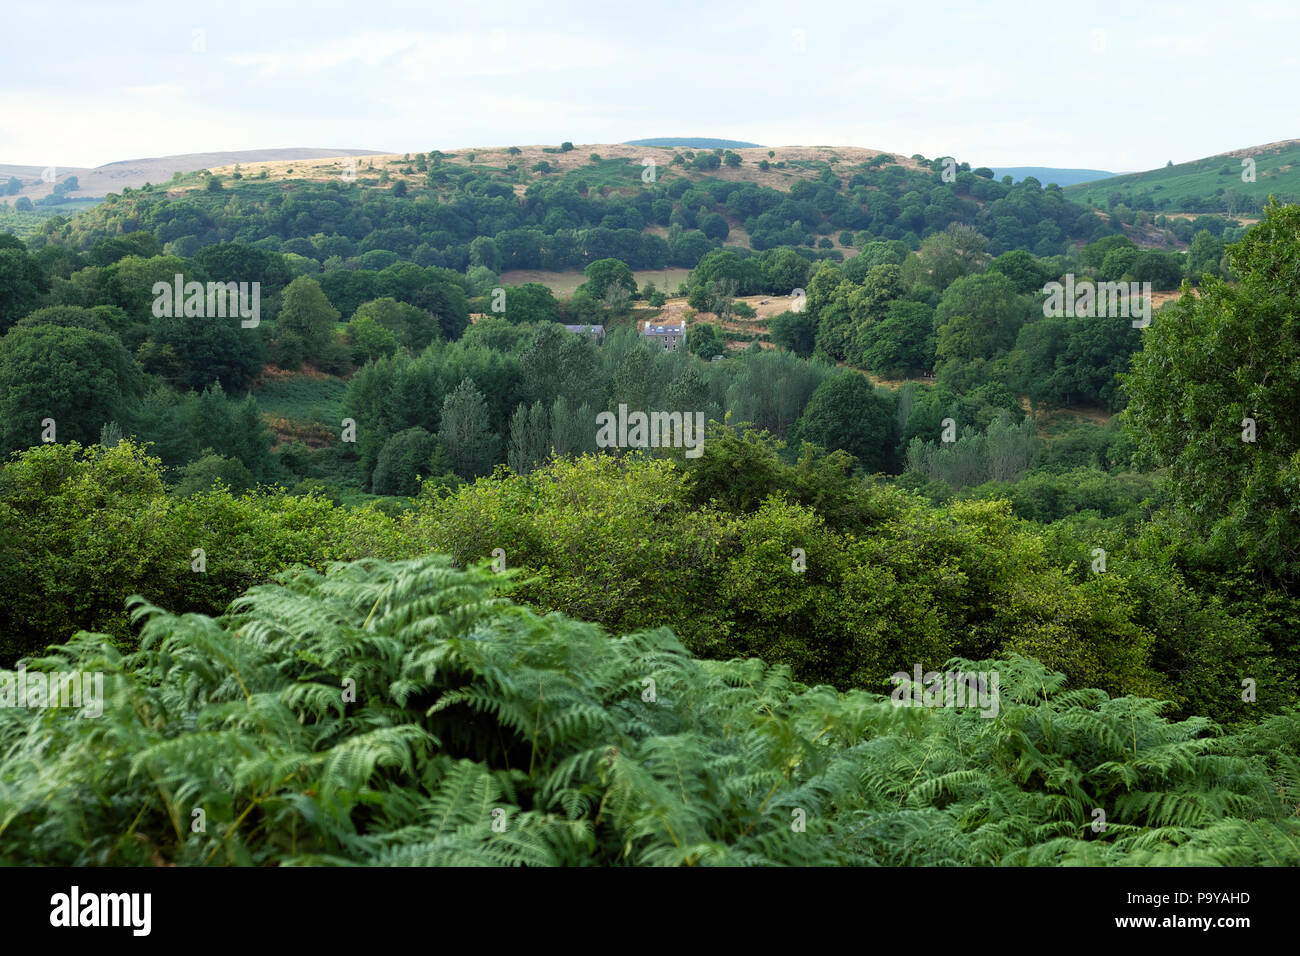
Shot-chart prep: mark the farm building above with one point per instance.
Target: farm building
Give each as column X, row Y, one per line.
column 670, row 335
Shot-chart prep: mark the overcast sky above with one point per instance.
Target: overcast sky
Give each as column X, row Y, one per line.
column 1115, row 86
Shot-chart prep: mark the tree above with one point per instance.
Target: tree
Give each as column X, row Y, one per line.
column 1118, row 263
column 402, row 461
column 1094, row 254
column 21, row 284
column 306, row 312
column 483, row 251
column 200, row 351
column 702, row 340
column 531, row 302
column 466, row 432
column 902, row 342
column 1204, row 256
column 771, row 389
column 720, row 296
column 1209, row 363
column 201, row 474
column 572, row 432
column 795, row 331
column 238, row 262
column 978, row 317
column 529, row 438
column 369, row 339
column 1026, row 273
column 848, row 413
column 785, row 270
column 1163, row 270
column 947, row 256
column 558, row 363
column 616, row 299
column 78, row 377
column 713, row 226
column 604, row 273
column 409, row 326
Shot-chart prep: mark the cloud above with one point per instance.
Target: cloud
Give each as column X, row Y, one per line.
column 424, row 57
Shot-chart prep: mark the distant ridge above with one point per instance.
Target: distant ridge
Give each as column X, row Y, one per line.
column 693, row 142
column 134, row 173
column 1050, row 174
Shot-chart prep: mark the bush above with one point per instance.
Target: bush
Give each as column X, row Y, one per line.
column 634, row 751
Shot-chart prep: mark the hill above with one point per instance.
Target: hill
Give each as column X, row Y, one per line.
column 561, row 207
column 615, row 164
column 134, row 173
column 692, row 142
column 1213, row 184
column 1050, row 174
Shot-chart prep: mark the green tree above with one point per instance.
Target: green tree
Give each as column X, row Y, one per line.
column 307, row 313
column 902, row 342
column 531, row 302
column 573, row 431
column 604, row 273
column 847, row 412
column 558, row 363
column 978, row 317
column 529, row 442
column 702, row 339
column 405, row 458
column 1211, row 362
column 466, row 432
column 947, row 256
column 80, row 378
column 483, row 251
column 1204, row 256
column 785, row 270
column 795, row 331
column 1027, row 274
column 201, row 474
column 21, row 284
column 410, row 326
column 369, row 339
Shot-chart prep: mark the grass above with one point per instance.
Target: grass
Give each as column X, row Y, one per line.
column 303, row 397
column 1277, row 171
column 564, row 283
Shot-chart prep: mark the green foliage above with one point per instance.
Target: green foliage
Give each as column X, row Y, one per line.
column 21, row 284
column 407, row 714
column 466, row 431
column 1210, row 362
column 403, row 459
column 848, row 413
column 795, row 331
column 203, row 473
column 307, row 313
column 77, row 377
column 702, row 340
column 82, row 529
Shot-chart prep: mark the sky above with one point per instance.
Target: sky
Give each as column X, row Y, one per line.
column 1112, row 86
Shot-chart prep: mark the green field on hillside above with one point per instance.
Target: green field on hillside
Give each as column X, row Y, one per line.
column 1213, row 184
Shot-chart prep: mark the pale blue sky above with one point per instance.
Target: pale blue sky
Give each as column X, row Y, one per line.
column 1116, row 86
